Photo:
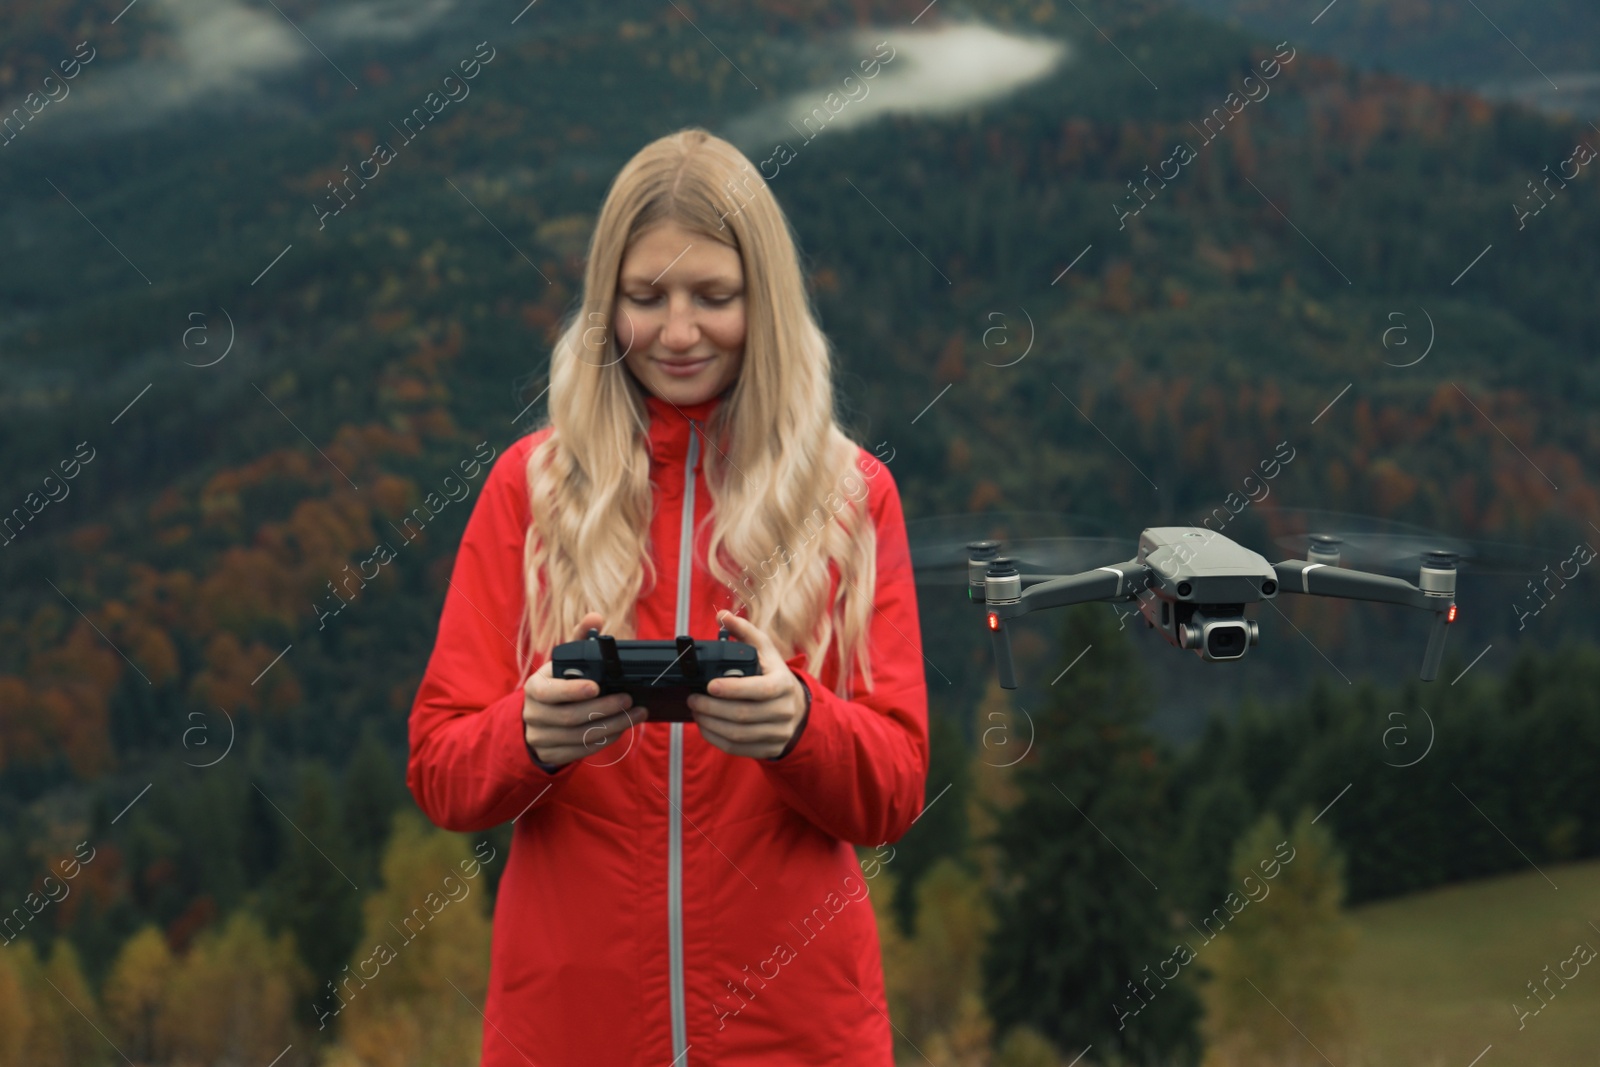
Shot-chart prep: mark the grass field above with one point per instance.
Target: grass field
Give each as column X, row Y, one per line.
column 1436, row 975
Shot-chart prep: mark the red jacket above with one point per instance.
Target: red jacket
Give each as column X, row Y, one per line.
column 674, row 905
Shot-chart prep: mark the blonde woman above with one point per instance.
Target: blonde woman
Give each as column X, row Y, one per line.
column 683, row 893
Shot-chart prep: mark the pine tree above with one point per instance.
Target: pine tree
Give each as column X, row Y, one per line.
column 1079, row 915
column 308, row 896
column 1279, row 962
column 943, row 832
column 372, row 789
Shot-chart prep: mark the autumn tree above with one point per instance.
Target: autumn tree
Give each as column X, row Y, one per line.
column 58, row 1008
column 133, row 993
column 235, row 998
column 16, row 1013
column 933, row 980
column 411, row 994
column 1275, row 997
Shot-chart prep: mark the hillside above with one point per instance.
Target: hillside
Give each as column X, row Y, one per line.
column 1537, row 54
column 1437, row 977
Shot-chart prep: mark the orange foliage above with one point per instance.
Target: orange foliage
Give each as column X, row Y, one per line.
column 1392, row 488
column 196, row 917
column 960, row 454
column 950, row 367
column 1366, row 431
column 1271, row 400
column 1176, row 392
column 87, row 540
column 389, row 321
column 167, row 504
column 1244, row 149
column 22, row 741
column 1338, row 479
column 1143, row 403
column 71, row 688
column 1446, row 400
column 539, row 318
column 393, row 493
column 232, row 678
column 437, row 423
column 984, row 494
column 429, row 353
column 1116, row 292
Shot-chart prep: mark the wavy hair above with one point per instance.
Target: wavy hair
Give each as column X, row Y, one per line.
column 779, row 453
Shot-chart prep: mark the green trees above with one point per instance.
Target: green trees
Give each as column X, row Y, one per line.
column 1078, row 914
column 309, row 896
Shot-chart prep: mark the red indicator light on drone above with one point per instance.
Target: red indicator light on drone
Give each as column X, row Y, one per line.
column 994, row 621
column 1450, row 616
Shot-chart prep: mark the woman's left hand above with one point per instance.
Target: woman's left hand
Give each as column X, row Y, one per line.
column 754, row 716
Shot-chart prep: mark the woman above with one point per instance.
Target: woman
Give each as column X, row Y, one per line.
column 679, row 893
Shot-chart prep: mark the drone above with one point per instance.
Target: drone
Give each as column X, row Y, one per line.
column 1193, row 585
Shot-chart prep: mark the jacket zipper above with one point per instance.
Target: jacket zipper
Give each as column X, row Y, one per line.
column 680, row 1036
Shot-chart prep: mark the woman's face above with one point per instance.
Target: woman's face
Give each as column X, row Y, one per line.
column 680, row 313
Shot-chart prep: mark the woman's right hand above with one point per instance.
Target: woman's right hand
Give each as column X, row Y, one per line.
column 565, row 719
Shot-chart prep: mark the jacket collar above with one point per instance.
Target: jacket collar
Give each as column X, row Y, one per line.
column 669, row 424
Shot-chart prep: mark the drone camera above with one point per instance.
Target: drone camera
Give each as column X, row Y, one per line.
column 1219, row 638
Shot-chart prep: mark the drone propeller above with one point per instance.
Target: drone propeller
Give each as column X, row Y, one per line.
column 1037, row 542
column 1369, row 543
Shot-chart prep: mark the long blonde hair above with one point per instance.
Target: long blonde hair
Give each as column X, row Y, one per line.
column 779, row 459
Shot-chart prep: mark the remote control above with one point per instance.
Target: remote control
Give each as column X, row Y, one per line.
column 659, row 675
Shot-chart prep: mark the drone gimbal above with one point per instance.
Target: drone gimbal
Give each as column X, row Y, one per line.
column 1193, row 584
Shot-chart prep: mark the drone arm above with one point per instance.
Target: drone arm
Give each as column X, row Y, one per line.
column 1119, row 581
column 1114, row 582
column 1317, row 579
column 1301, row 576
